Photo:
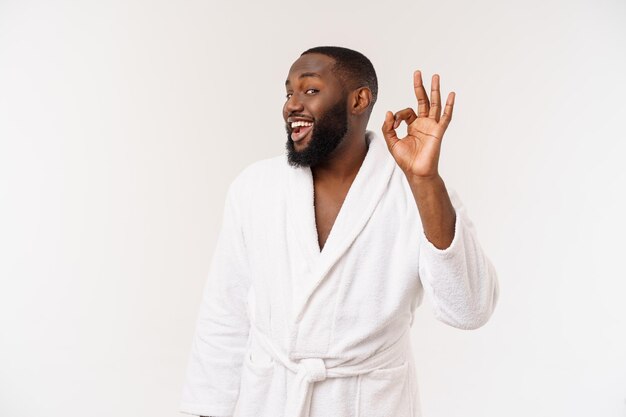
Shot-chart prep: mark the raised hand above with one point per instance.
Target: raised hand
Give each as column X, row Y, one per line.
column 417, row 153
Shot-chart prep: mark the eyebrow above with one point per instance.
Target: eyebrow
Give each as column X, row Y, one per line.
column 306, row 74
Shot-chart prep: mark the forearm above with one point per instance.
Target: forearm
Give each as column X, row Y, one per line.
column 460, row 280
column 435, row 208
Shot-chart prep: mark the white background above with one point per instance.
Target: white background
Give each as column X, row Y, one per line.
column 122, row 124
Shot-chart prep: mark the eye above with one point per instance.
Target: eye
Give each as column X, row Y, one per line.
column 288, row 95
column 312, row 91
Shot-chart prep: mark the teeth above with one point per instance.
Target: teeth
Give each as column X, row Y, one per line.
column 301, row 123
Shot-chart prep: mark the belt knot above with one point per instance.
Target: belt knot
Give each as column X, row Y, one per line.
column 314, row 369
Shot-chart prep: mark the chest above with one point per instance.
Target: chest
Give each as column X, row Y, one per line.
column 328, row 203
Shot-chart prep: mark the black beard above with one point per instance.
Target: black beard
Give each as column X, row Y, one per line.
column 328, row 132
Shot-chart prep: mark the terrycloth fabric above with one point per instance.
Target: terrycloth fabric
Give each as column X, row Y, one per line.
column 287, row 330
column 311, row 370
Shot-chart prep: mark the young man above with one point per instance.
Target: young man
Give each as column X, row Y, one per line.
column 326, row 251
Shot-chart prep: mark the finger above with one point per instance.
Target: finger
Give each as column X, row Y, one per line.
column 420, row 93
column 447, row 112
column 435, row 99
column 389, row 132
column 407, row 115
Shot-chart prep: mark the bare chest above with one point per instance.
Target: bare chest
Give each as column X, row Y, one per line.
column 327, row 206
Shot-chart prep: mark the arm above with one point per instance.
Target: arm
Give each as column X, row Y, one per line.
column 214, row 370
column 435, row 208
column 460, row 280
column 455, row 272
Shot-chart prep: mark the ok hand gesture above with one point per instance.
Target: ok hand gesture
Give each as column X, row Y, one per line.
column 417, row 154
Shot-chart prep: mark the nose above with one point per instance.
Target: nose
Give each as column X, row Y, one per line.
column 293, row 105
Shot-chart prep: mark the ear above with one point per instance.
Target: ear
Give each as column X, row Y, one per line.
column 361, row 99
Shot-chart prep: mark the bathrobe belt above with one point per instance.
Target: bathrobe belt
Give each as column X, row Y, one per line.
column 311, row 370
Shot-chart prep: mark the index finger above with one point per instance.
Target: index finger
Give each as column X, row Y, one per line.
column 423, row 106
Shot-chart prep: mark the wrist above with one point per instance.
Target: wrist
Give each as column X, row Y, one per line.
column 420, row 180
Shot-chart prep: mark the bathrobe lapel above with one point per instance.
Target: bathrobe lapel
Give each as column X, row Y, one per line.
column 363, row 196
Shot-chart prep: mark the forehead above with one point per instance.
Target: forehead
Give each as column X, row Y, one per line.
column 309, row 64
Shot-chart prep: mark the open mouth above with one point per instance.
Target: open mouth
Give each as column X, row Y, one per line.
column 300, row 129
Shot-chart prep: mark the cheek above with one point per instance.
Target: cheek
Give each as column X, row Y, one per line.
column 321, row 104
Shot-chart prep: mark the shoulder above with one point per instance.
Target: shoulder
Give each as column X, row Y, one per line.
column 259, row 176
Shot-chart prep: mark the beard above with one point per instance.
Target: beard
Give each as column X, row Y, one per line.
column 328, row 132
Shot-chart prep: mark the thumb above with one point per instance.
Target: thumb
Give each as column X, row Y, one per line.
column 389, row 133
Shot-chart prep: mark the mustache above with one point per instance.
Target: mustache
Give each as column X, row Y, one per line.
column 304, row 116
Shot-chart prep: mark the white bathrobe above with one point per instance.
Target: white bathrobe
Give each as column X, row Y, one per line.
column 287, row 330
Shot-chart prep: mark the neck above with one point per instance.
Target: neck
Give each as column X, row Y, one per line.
column 343, row 165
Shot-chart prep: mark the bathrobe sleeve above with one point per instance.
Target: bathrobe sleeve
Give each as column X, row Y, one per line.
column 460, row 280
column 211, row 387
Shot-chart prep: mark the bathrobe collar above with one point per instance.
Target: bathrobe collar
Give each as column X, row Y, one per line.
column 364, row 194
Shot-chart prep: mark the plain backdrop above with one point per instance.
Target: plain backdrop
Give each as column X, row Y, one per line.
column 123, row 122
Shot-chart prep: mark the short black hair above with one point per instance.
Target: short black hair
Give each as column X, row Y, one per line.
column 351, row 66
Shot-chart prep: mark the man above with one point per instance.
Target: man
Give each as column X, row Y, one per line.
column 325, row 252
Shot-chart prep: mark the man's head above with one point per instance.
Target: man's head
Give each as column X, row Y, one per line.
column 330, row 92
